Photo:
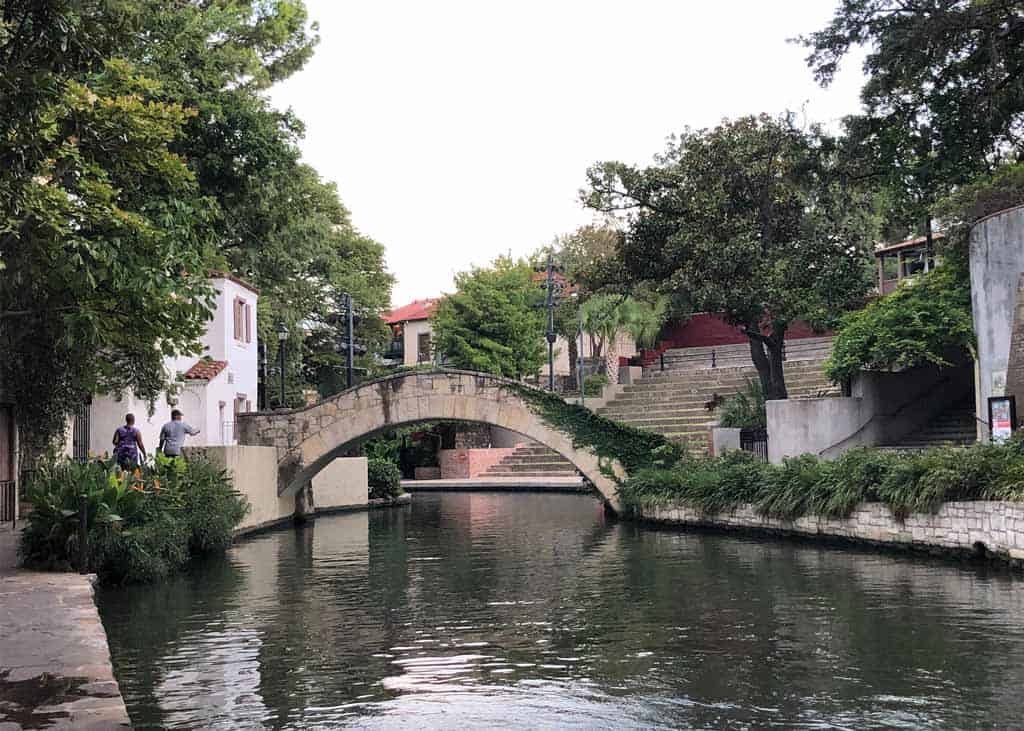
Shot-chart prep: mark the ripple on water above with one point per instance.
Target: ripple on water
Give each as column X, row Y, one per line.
column 533, row 611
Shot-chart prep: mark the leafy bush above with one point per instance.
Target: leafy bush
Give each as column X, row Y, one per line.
column 925, row 321
column 745, row 410
column 593, row 384
column 385, row 479
column 914, row 482
column 143, row 525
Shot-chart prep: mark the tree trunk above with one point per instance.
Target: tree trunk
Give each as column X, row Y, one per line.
column 766, row 352
column 574, row 354
column 611, row 362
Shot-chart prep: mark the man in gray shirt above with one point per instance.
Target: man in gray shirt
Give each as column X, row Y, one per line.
column 172, row 435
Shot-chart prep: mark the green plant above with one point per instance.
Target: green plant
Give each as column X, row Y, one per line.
column 384, row 478
column 142, row 526
column 593, row 385
column 925, row 321
column 745, row 410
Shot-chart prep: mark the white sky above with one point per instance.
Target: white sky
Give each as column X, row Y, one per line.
column 459, row 130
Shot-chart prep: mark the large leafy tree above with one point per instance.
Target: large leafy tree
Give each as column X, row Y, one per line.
column 492, row 322
column 944, row 97
column 750, row 219
column 104, row 235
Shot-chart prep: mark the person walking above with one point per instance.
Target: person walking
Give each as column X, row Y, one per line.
column 128, row 444
column 172, row 435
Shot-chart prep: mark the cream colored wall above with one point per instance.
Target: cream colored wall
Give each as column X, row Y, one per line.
column 410, row 338
column 254, row 473
column 341, row 484
column 625, row 344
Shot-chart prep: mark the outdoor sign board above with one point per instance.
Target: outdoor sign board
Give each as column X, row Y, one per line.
column 1002, row 417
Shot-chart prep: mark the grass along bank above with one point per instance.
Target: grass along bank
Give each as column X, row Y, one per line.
column 907, row 482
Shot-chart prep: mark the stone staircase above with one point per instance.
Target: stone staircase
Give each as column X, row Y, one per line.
column 955, row 427
column 532, row 460
column 678, row 360
column 679, row 402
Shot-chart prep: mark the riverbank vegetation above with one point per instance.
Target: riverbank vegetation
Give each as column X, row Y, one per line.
column 908, row 482
column 142, row 526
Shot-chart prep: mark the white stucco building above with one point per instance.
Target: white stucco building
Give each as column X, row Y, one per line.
column 211, row 388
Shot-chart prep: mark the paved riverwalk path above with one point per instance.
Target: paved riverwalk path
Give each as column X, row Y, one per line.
column 511, row 484
column 55, row 670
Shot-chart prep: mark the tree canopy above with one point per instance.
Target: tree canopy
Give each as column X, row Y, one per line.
column 751, row 219
column 492, row 322
column 944, row 97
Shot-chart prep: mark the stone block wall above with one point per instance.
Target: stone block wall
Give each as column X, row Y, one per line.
column 959, row 527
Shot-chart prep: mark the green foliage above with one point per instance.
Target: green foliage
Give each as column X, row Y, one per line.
column 491, row 323
column 908, row 482
column 385, row 479
column 593, row 385
column 944, row 95
column 143, row 526
column 752, row 219
column 745, row 410
column 1001, row 189
column 926, row 321
column 635, row 449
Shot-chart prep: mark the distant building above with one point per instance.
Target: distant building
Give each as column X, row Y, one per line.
column 210, row 388
column 906, row 259
column 411, row 331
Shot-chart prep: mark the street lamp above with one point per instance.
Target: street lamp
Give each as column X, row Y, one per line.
column 579, row 354
column 550, row 304
column 261, row 398
column 282, row 337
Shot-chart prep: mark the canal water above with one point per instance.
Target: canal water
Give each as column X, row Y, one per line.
column 535, row 611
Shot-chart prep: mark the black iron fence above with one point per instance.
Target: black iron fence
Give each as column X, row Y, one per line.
column 8, row 501
column 755, row 441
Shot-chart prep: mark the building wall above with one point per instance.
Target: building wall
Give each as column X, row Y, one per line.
column 705, row 329
column 997, row 263
column 410, row 339
column 465, row 462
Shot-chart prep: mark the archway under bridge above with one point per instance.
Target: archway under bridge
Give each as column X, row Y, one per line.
column 309, row 438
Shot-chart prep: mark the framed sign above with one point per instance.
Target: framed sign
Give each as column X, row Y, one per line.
column 1002, row 417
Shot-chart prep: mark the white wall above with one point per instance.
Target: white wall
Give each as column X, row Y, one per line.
column 625, row 344
column 410, row 339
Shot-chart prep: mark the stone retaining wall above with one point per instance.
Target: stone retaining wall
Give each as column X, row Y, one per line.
column 995, row 528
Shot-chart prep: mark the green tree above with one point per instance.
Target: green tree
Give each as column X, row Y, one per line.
column 104, row 235
column 492, row 322
column 750, row 219
column 944, row 97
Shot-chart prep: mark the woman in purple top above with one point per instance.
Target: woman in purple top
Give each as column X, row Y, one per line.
column 128, row 444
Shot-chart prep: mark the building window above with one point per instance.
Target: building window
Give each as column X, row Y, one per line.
column 243, row 320
column 423, row 347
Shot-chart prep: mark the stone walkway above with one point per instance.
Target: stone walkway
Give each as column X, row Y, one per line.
column 55, row 670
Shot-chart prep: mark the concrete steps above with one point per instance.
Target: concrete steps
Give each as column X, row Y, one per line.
column 955, row 427
column 675, row 402
column 705, row 357
column 531, row 460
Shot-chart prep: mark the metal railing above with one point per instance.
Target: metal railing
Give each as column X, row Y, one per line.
column 755, row 441
column 8, row 501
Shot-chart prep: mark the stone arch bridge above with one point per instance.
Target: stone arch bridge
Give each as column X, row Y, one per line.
column 308, row 439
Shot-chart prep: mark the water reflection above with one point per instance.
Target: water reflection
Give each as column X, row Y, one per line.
column 536, row 611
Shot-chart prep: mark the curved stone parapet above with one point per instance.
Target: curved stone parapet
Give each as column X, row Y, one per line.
column 308, row 439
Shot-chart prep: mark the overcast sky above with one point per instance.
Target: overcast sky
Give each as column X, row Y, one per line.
column 457, row 131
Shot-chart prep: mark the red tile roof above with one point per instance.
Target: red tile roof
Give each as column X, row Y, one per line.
column 908, row 244
column 205, row 370
column 415, row 310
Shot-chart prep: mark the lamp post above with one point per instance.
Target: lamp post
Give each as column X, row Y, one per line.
column 550, row 304
column 282, row 337
column 579, row 354
column 350, row 327
column 261, row 396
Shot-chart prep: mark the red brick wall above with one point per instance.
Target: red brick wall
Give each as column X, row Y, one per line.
column 465, row 463
column 705, row 329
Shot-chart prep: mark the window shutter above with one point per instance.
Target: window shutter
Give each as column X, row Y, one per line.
column 247, row 314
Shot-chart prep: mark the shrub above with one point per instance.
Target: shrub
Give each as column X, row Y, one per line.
column 143, row 526
column 913, row 482
column 594, row 384
column 745, row 410
column 385, row 479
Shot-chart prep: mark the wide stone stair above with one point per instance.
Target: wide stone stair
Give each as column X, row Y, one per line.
column 680, row 402
column 955, row 427
column 532, row 460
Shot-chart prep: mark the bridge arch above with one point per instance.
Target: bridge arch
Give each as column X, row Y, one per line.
column 308, row 439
